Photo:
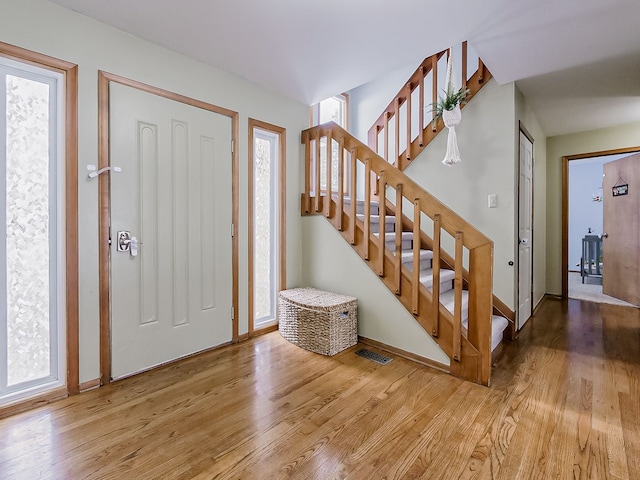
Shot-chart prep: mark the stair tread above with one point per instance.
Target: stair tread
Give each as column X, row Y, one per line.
column 498, row 323
column 347, row 200
column 446, row 299
column 391, row 236
column 376, row 218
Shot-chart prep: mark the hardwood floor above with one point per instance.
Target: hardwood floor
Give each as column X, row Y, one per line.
column 564, row 403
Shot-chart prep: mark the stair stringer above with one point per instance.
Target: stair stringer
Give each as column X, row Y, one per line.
column 469, row 365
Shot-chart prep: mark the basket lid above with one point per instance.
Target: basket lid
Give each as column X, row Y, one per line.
column 312, row 297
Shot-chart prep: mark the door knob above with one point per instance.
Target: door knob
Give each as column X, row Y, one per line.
column 524, row 241
column 604, row 235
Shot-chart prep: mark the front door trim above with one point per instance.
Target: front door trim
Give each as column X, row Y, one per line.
column 565, row 207
column 104, row 79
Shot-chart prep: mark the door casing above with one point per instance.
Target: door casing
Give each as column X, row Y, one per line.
column 104, row 79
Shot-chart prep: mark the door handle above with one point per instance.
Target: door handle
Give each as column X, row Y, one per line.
column 604, row 235
column 133, row 247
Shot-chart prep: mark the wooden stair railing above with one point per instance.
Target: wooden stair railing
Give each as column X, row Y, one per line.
column 422, row 84
column 469, row 349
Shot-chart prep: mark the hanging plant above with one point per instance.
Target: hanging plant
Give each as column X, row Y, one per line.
column 449, row 102
column 448, row 108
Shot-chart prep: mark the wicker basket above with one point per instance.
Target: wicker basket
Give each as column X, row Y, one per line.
column 322, row 322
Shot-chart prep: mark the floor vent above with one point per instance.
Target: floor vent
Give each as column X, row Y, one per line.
column 376, row 357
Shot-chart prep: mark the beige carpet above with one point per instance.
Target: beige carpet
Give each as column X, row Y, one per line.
column 591, row 291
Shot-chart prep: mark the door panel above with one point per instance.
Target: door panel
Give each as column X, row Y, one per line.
column 174, row 196
column 525, row 230
column 620, row 248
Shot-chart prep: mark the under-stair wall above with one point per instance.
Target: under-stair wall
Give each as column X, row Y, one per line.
column 486, row 138
column 330, row 263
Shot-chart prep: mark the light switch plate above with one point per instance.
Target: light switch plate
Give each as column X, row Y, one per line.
column 493, row 200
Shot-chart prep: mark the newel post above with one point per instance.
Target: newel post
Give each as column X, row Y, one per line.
column 480, row 306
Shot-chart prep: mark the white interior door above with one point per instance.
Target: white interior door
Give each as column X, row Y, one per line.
column 525, row 229
column 174, row 197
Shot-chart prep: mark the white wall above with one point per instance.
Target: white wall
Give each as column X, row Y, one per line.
column 486, row 142
column 585, row 180
column 47, row 28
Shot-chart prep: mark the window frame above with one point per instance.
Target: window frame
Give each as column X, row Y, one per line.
column 279, row 133
column 315, row 112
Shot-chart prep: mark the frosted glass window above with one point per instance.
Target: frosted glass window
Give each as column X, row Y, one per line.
column 265, row 198
column 28, row 246
column 27, row 223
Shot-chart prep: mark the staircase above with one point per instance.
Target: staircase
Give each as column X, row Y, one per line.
column 401, row 234
column 447, row 276
column 403, row 129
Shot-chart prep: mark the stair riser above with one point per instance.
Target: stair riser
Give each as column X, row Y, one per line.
column 406, row 245
column 424, row 264
column 374, row 209
column 390, row 227
column 444, row 286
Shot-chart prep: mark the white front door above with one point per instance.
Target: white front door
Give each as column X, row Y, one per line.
column 171, row 289
column 525, row 229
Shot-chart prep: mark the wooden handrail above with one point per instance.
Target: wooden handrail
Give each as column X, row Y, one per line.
column 425, row 132
column 423, row 303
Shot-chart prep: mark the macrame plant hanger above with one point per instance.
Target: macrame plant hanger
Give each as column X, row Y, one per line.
column 451, row 118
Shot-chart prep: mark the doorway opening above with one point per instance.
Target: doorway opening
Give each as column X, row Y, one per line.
column 585, row 233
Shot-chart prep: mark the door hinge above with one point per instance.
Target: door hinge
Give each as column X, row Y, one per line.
column 233, row 146
column 233, row 313
column 233, row 230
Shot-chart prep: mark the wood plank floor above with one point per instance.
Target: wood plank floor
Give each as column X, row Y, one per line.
column 564, row 403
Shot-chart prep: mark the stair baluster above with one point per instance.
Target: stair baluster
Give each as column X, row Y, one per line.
column 340, row 199
column 416, row 255
column 382, row 215
column 317, row 191
column 329, row 160
column 435, row 265
column 398, row 252
column 354, row 169
column 307, row 176
column 367, row 207
column 457, row 295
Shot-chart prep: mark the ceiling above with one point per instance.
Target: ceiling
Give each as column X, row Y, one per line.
column 576, row 61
